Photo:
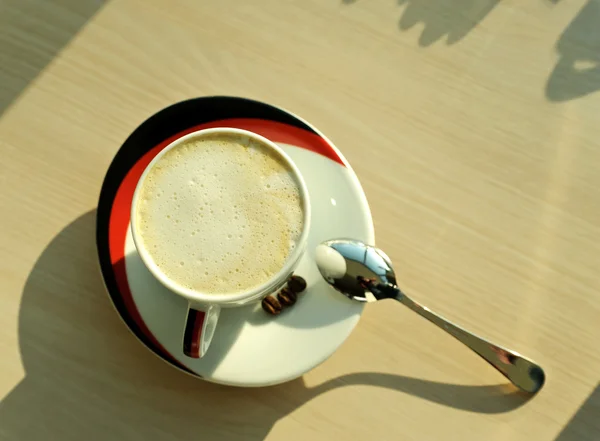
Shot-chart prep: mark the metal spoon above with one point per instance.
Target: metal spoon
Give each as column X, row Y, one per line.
column 364, row 273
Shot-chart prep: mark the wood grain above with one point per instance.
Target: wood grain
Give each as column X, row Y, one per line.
column 473, row 126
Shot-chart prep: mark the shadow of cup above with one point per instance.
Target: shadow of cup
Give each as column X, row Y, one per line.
column 87, row 377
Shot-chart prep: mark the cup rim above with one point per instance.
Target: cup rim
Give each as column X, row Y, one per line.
column 248, row 295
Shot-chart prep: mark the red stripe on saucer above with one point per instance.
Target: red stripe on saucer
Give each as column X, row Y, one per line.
column 277, row 132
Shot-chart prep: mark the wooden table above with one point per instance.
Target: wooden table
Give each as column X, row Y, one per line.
column 474, row 126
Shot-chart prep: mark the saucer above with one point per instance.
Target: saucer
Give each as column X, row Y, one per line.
column 250, row 347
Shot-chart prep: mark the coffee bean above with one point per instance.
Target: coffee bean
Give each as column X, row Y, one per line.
column 271, row 305
column 287, row 297
column 296, row 284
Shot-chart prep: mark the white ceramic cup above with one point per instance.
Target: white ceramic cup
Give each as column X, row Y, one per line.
column 204, row 309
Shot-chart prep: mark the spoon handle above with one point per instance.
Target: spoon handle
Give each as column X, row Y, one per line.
column 522, row 372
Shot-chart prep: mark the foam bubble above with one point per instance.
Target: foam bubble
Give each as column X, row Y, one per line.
column 230, row 216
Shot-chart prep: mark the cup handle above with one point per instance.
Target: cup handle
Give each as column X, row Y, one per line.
column 199, row 329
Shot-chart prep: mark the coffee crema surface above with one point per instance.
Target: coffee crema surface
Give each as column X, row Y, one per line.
column 220, row 214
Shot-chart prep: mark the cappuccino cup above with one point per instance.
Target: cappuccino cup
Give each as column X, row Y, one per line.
column 220, row 217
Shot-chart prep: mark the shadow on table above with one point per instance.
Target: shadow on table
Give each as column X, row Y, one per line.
column 88, row 378
column 577, row 72
column 585, row 425
column 32, row 33
column 451, row 18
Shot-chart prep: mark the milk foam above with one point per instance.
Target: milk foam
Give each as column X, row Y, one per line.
column 220, row 215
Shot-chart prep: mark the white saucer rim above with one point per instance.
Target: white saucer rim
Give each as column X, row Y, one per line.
column 365, row 211
column 352, row 322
